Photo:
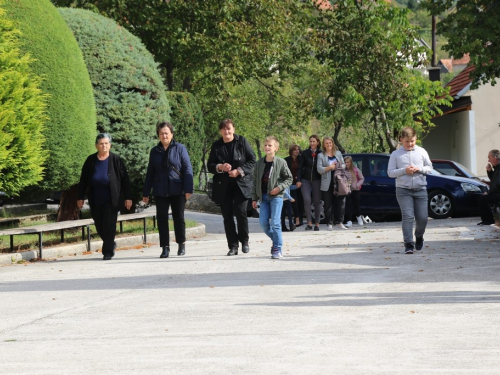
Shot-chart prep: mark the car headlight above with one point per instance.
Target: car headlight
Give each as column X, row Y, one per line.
column 470, row 188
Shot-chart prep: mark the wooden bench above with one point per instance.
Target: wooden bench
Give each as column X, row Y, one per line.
column 83, row 223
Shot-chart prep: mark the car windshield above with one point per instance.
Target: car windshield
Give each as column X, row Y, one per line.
column 466, row 169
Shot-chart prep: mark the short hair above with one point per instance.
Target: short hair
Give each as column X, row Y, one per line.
column 224, row 123
column 162, row 125
column 328, row 139
column 272, row 138
column 292, row 148
column 101, row 136
column 316, row 138
column 408, row 132
column 495, row 153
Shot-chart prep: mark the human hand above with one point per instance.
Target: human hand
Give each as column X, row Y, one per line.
column 145, row 200
column 79, row 203
column 188, row 195
column 410, row 169
column 275, row 191
column 292, row 200
column 226, row 167
column 298, row 184
column 489, row 167
column 128, row 204
column 234, row 173
column 254, row 205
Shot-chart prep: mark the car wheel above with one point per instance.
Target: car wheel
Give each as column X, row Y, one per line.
column 321, row 212
column 440, row 205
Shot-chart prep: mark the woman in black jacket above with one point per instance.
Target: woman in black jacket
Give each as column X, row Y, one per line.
column 105, row 180
column 171, row 176
column 311, row 181
column 231, row 161
column 294, row 162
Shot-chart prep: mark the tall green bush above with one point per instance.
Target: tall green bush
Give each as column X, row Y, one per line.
column 128, row 89
column 187, row 118
column 22, row 115
column 70, row 131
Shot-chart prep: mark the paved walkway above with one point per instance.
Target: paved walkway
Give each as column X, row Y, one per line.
column 341, row 302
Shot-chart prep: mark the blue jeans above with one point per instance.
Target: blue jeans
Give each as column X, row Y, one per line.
column 413, row 204
column 270, row 219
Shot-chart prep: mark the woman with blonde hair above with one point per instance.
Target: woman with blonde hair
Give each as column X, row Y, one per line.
column 352, row 205
column 328, row 162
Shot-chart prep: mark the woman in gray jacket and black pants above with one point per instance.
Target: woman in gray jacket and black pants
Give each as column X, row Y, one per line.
column 328, row 162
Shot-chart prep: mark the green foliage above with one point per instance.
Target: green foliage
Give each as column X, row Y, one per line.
column 70, row 131
column 189, row 128
column 369, row 49
column 129, row 92
column 22, row 115
column 471, row 27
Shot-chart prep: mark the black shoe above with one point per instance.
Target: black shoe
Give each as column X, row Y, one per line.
column 308, row 227
column 182, row 249
column 233, row 251
column 107, row 257
column 486, row 223
column 245, row 248
column 316, row 228
column 165, row 252
column 293, row 227
column 409, row 248
column 419, row 243
column 284, row 229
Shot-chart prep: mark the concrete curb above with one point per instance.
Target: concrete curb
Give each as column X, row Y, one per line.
column 78, row 249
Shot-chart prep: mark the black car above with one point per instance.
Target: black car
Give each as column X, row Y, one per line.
column 448, row 195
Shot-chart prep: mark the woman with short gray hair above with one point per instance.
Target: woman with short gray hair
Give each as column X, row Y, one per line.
column 105, row 181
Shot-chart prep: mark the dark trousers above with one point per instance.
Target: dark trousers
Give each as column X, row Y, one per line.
column 178, row 202
column 105, row 223
column 298, row 205
column 352, row 206
column 235, row 204
column 485, row 202
column 334, row 206
column 286, row 210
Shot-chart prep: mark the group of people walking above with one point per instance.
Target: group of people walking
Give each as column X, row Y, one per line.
column 301, row 181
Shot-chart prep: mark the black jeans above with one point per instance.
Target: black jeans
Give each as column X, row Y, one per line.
column 334, row 206
column 485, row 201
column 178, row 202
column 298, row 205
column 235, row 204
column 286, row 211
column 105, row 223
column 352, row 206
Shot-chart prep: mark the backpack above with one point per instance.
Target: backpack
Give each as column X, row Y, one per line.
column 342, row 185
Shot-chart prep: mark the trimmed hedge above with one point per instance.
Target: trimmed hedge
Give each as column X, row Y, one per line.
column 128, row 89
column 187, row 119
column 22, row 115
column 70, row 131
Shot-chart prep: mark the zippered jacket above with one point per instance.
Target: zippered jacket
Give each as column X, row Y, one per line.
column 323, row 162
column 169, row 171
column 279, row 176
column 309, row 166
column 400, row 159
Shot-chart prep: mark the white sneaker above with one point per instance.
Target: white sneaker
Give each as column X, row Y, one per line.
column 360, row 220
column 348, row 224
column 330, row 227
column 341, row 226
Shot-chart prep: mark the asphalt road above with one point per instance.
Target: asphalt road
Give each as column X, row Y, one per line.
column 341, row 302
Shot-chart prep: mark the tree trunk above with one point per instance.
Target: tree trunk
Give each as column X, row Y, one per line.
column 388, row 136
column 259, row 151
column 68, row 210
column 336, row 133
column 186, row 85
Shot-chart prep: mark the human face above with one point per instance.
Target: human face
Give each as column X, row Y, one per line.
column 493, row 160
column 227, row 133
column 295, row 152
column 409, row 143
column 103, row 146
column 348, row 164
column 165, row 136
column 270, row 148
column 313, row 143
column 328, row 145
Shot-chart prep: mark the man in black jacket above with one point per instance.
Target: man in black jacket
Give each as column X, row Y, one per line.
column 231, row 161
column 493, row 195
